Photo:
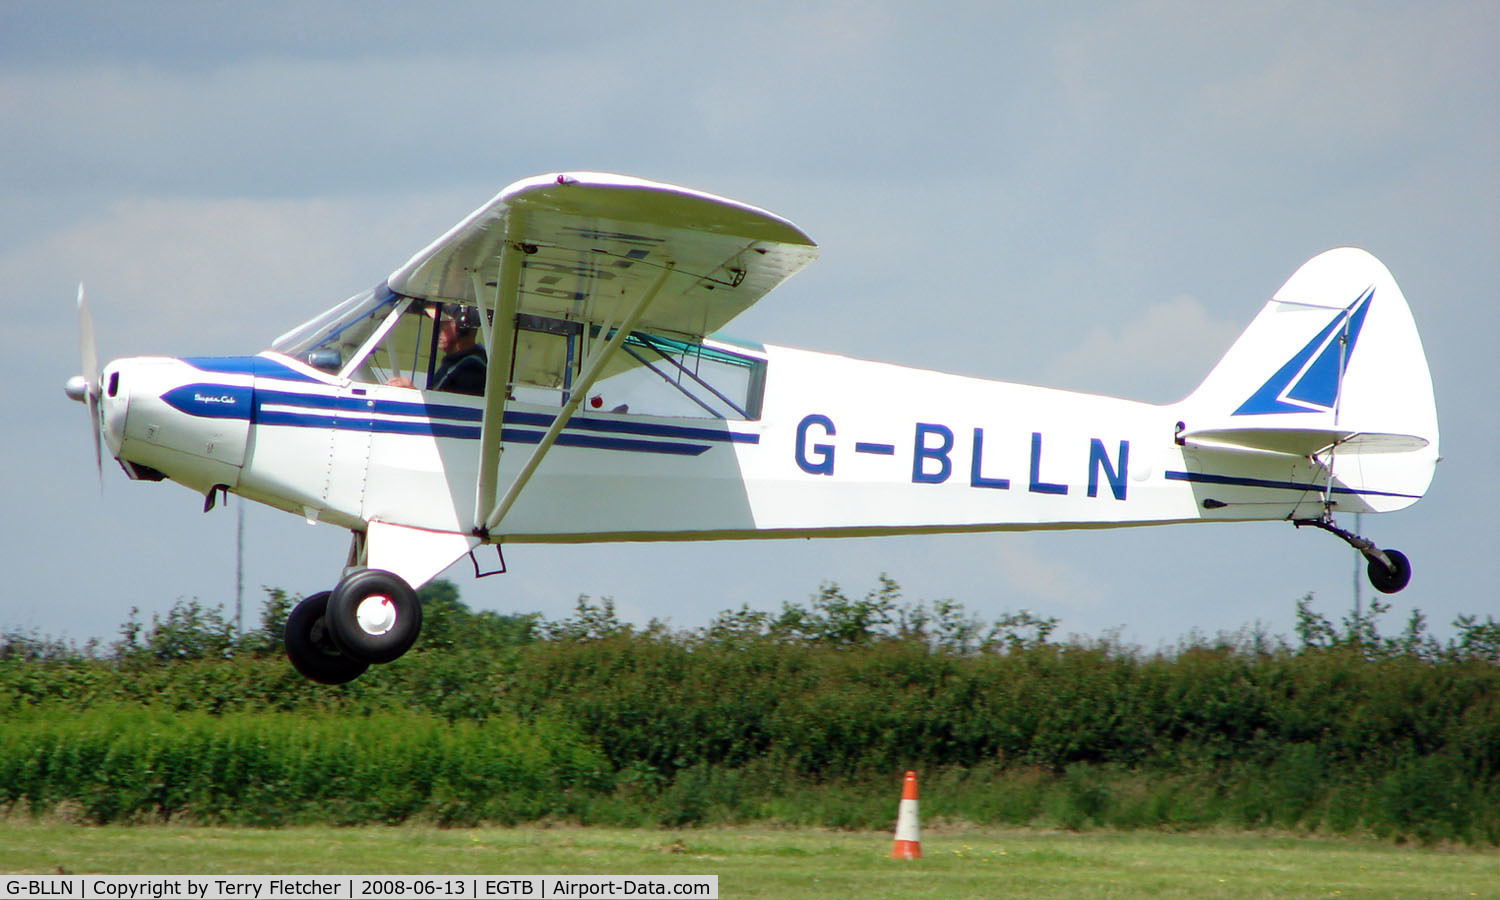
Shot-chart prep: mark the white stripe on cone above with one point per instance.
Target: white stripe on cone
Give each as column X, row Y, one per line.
column 908, row 843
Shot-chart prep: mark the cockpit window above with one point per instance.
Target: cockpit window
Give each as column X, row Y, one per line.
column 379, row 337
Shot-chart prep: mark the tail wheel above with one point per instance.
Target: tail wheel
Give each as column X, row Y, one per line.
column 1389, row 580
column 374, row 616
column 311, row 649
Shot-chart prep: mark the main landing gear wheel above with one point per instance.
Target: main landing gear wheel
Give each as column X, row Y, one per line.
column 1389, row 579
column 1389, row 570
column 373, row 615
column 311, row 649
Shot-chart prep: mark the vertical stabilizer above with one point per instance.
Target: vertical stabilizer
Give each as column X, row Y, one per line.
column 1331, row 368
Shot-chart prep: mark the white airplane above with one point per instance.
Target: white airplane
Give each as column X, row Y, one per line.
column 544, row 372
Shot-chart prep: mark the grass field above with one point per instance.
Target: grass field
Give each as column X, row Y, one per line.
column 762, row 862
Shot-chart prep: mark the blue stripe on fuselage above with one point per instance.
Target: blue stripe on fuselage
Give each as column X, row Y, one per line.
column 359, row 413
column 1238, row 481
column 258, row 366
column 357, row 403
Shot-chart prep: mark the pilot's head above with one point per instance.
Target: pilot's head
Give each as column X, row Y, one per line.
column 465, row 318
column 458, row 326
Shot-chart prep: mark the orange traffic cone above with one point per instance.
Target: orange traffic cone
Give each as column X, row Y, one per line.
column 908, row 843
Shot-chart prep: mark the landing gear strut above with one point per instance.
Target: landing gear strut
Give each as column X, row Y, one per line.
column 1389, row 570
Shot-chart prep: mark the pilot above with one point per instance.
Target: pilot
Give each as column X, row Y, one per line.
column 465, row 364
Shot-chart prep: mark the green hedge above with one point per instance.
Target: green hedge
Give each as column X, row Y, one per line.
column 805, row 716
column 122, row 764
column 839, row 712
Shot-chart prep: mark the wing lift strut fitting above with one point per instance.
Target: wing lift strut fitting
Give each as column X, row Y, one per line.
column 490, row 512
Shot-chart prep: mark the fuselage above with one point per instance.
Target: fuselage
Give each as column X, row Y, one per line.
column 840, row 446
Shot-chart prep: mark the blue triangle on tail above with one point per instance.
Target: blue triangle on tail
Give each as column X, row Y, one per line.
column 1315, row 387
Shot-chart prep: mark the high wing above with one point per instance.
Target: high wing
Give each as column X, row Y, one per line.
column 611, row 251
column 595, row 242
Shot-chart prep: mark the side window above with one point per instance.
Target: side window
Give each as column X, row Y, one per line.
column 460, row 363
column 661, row 376
column 652, row 375
column 548, row 360
column 433, row 346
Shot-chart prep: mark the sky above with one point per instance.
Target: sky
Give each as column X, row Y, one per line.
column 1094, row 196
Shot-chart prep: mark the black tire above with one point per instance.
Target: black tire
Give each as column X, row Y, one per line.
column 311, row 650
column 1386, row 581
column 388, row 629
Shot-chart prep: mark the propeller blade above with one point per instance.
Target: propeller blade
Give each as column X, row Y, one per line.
column 89, row 358
column 87, row 355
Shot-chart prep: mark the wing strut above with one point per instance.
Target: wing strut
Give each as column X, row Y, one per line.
column 594, row 367
column 497, row 375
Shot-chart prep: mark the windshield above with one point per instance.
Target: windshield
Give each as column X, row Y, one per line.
column 331, row 340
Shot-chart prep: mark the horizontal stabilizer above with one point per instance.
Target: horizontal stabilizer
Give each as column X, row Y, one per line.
column 1302, row 442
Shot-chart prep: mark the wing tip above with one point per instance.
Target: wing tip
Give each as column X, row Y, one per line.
column 556, row 187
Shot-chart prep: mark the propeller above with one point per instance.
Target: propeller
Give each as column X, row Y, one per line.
column 85, row 387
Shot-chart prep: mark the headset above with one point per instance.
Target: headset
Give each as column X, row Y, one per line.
column 466, row 317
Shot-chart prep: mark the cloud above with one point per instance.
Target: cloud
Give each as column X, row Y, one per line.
column 1159, row 355
column 279, row 127
column 1050, row 584
column 183, row 275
